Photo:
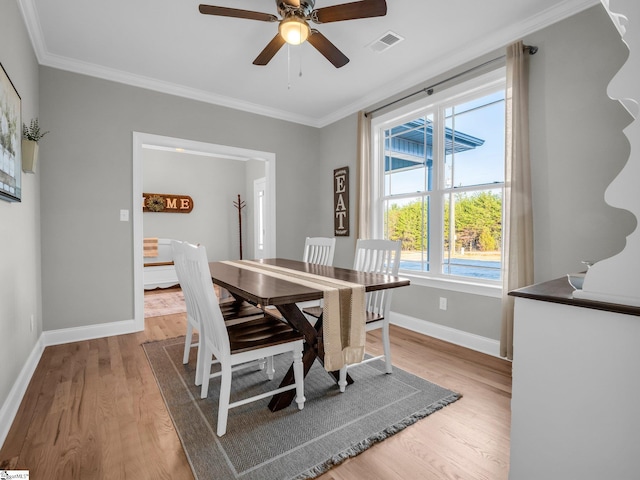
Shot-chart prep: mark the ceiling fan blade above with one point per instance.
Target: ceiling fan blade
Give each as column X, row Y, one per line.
column 350, row 11
column 328, row 49
column 270, row 50
column 237, row 13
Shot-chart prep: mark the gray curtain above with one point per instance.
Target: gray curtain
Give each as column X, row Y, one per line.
column 518, row 229
column 363, row 226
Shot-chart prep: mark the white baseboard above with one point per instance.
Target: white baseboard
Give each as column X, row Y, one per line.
column 77, row 334
column 448, row 334
column 12, row 403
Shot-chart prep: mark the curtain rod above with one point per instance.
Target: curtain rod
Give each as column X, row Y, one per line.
column 429, row 90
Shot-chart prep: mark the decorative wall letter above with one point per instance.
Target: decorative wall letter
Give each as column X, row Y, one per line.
column 341, row 202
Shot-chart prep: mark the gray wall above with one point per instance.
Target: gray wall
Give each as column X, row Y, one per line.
column 577, row 148
column 338, row 149
column 577, row 57
column 19, row 222
column 85, row 178
column 577, row 144
column 213, row 183
column 87, row 257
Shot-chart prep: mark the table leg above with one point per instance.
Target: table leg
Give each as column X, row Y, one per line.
column 296, row 318
column 313, row 349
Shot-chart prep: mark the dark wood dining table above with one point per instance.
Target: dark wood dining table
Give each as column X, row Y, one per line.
column 265, row 290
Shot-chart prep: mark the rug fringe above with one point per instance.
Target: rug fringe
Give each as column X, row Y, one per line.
column 360, row 447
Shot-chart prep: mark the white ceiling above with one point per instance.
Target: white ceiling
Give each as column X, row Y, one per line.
column 168, row 46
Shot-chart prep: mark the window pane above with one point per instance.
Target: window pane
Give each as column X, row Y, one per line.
column 407, row 220
column 408, row 156
column 473, row 234
column 459, row 174
column 474, row 142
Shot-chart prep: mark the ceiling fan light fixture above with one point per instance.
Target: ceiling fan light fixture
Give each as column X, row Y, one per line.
column 294, row 30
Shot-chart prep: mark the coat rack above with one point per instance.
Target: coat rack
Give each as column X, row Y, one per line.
column 240, row 204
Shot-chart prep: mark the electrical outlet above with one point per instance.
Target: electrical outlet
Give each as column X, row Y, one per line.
column 443, row 303
column 124, row 215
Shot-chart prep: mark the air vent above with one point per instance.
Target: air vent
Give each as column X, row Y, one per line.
column 385, row 42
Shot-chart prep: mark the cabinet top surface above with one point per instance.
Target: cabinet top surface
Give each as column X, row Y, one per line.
column 560, row 291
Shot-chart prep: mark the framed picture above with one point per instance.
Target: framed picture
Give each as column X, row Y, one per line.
column 10, row 140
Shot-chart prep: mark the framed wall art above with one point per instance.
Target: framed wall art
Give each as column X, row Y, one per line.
column 10, row 140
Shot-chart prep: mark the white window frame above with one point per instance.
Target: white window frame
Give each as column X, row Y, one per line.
column 474, row 87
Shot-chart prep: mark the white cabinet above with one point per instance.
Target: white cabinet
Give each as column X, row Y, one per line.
column 576, row 389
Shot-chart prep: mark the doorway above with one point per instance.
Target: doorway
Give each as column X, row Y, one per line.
column 142, row 141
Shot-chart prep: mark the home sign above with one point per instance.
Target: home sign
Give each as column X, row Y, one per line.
column 166, row 202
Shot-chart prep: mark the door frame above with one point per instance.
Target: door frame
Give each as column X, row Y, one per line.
column 148, row 140
column 259, row 184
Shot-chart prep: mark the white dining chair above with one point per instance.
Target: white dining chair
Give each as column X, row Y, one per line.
column 237, row 346
column 192, row 322
column 373, row 256
column 232, row 311
column 319, row 250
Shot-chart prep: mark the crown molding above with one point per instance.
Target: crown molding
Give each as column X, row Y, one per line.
column 446, row 62
column 119, row 76
column 32, row 22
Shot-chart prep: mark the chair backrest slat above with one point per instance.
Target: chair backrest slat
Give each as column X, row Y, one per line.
column 189, row 300
column 378, row 256
column 194, row 275
column 319, row 250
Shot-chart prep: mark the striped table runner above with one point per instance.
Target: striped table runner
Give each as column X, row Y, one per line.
column 343, row 311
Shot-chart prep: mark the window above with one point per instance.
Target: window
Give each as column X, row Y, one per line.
column 439, row 182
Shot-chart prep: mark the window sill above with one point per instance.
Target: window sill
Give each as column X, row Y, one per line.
column 463, row 286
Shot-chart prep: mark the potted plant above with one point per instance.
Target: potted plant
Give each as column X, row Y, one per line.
column 31, row 135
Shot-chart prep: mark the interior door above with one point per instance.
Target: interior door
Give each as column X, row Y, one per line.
column 259, row 217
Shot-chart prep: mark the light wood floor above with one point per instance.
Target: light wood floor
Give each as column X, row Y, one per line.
column 93, row 410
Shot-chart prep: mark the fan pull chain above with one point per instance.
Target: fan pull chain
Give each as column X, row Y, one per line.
column 299, row 49
column 300, row 58
column 288, row 67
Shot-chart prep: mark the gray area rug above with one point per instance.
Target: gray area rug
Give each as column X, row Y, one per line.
column 291, row 443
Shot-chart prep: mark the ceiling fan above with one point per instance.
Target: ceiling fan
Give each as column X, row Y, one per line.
column 294, row 28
